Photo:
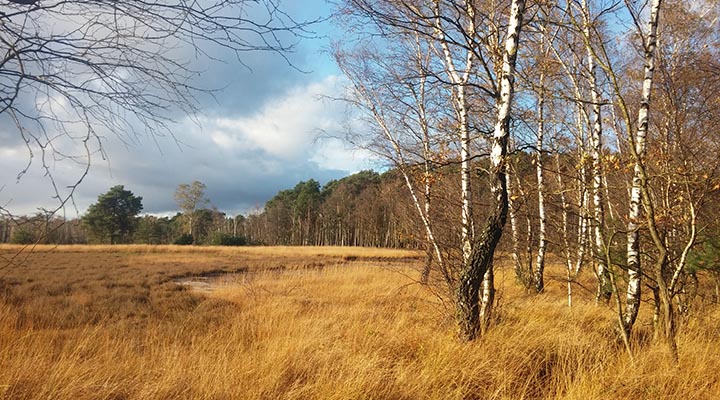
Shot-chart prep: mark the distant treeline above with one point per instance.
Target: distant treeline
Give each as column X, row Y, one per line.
column 368, row 209
column 363, row 209
column 212, row 227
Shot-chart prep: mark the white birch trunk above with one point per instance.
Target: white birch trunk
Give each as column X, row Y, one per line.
column 632, row 303
column 582, row 236
column 542, row 243
column 582, row 119
column 399, row 159
column 527, row 270
column 427, row 176
column 487, row 299
column 459, row 82
column 604, row 288
column 610, row 208
column 427, row 185
column 565, row 231
column 426, row 223
column 483, row 251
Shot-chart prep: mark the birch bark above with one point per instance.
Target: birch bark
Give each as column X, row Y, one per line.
column 604, row 289
column 570, row 273
column 481, row 257
column 632, row 304
column 459, row 81
column 514, row 229
column 542, row 242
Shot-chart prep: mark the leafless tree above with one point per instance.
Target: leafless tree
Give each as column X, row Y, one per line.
column 73, row 73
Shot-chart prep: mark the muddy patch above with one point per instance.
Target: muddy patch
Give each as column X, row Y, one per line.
column 210, row 282
column 214, row 280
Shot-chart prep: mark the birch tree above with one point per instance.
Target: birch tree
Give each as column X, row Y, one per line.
column 570, row 179
column 639, row 193
column 571, row 65
column 395, row 97
column 675, row 188
column 543, row 63
column 685, row 160
column 467, row 53
column 487, row 238
column 516, row 200
column 459, row 80
column 603, row 290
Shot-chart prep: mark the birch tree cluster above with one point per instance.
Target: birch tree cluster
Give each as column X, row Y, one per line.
column 581, row 128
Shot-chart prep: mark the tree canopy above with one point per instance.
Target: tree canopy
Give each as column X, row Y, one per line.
column 113, row 218
column 190, row 199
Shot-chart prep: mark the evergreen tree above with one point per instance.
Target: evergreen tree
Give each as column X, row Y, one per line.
column 113, row 218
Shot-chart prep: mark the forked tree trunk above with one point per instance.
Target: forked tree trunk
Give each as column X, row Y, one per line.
column 632, row 303
column 486, row 240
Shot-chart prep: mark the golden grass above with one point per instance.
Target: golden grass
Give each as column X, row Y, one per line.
column 104, row 324
column 294, row 251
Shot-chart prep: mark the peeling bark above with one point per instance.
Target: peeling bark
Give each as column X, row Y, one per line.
column 542, row 241
column 632, row 303
column 481, row 257
column 604, row 289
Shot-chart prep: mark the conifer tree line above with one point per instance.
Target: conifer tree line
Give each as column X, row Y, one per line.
column 363, row 209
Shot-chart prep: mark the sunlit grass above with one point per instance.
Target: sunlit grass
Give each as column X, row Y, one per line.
column 114, row 325
column 295, row 251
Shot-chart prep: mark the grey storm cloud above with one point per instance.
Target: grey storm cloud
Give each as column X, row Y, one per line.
column 257, row 132
column 243, row 160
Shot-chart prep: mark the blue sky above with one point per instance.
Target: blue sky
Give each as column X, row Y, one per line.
column 265, row 131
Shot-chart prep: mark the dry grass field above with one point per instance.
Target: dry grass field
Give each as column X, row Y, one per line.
column 94, row 322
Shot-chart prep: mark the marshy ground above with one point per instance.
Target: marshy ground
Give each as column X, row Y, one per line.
column 94, row 322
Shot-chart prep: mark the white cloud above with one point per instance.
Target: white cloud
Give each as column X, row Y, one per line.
column 286, row 127
column 243, row 160
column 259, row 135
column 336, row 154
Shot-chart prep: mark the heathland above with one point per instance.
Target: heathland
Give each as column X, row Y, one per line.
column 117, row 322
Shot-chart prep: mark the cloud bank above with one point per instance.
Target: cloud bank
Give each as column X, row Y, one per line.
column 244, row 159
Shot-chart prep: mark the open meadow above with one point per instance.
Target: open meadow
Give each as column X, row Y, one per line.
column 122, row 322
